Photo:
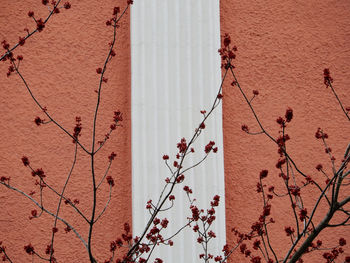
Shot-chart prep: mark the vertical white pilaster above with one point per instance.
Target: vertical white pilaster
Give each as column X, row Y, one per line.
column 175, row 74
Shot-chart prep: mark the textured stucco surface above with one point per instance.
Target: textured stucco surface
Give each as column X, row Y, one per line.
column 60, row 66
column 283, row 47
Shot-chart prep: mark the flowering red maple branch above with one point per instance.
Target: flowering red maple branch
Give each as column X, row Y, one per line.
column 293, row 190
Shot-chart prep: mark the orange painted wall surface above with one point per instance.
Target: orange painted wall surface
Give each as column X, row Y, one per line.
column 60, row 66
column 283, row 47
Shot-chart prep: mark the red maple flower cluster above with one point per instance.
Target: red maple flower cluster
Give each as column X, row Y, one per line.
column 40, row 24
column 289, row 230
column 319, row 134
column 317, row 245
column 38, row 172
column 118, row 117
column 112, row 156
column 227, row 53
column 302, row 214
column 319, row 167
column 294, row 190
column 110, row 180
column 280, row 162
column 263, row 174
column 49, row 249
column 116, row 243
column 34, row 214
column 67, row 5
column 187, row 189
column 3, row 179
column 77, row 129
column 25, row 160
column 38, row 121
column 288, row 118
column 209, row 147
column 29, row 249
column 245, row 128
column 327, row 79
column 5, row 45
column 182, row 146
column 116, row 10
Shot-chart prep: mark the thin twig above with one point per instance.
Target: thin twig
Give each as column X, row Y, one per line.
column 60, row 201
column 105, row 207
column 340, row 103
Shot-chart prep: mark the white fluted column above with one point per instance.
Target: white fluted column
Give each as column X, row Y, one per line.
column 175, row 74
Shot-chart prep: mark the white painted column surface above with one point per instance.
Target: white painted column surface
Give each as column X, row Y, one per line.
column 175, row 74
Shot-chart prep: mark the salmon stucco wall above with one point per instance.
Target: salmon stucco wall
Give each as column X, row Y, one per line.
column 283, row 47
column 60, row 67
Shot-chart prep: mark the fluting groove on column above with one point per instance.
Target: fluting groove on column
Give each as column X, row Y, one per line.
column 175, row 74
